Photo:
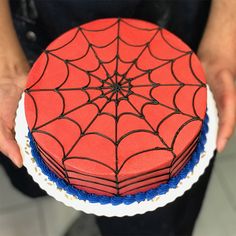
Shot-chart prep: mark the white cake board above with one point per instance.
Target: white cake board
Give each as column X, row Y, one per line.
column 109, row 210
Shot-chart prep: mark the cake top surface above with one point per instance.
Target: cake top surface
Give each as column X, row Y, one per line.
column 112, row 94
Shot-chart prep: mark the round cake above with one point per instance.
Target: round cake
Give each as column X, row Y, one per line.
column 115, row 107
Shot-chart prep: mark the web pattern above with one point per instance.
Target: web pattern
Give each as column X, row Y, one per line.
column 107, row 91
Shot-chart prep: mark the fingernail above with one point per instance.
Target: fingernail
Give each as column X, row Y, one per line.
column 221, row 145
column 16, row 162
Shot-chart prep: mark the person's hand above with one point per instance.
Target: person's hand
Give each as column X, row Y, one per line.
column 221, row 81
column 12, row 84
column 217, row 52
column 13, row 70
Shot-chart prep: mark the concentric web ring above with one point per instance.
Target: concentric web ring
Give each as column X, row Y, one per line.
column 107, row 92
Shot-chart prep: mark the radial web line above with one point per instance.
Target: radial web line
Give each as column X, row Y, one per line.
column 100, row 62
column 143, row 117
column 76, row 108
column 116, row 144
column 79, row 68
column 141, row 53
column 157, row 67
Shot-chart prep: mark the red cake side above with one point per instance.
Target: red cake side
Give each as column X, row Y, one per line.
column 116, row 106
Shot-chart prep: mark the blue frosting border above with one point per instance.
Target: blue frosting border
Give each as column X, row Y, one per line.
column 128, row 199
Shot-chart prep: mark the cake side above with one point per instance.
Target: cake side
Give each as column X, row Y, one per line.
column 116, row 106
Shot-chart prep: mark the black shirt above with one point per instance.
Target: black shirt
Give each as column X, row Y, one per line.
column 47, row 19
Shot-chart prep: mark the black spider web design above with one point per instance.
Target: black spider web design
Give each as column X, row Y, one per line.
column 114, row 88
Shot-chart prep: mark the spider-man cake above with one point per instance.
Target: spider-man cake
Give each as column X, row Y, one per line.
column 115, row 107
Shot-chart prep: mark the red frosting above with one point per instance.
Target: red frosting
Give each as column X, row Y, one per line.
column 116, row 106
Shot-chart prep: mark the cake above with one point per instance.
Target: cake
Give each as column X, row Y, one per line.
column 115, row 109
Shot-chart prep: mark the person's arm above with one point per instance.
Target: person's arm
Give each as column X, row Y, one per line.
column 13, row 70
column 217, row 52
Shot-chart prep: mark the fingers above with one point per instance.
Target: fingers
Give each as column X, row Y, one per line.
column 224, row 92
column 9, row 147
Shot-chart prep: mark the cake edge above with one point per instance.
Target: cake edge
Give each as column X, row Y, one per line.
column 128, row 199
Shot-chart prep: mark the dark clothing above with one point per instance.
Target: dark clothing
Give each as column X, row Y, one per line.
column 50, row 18
column 20, row 179
column 38, row 22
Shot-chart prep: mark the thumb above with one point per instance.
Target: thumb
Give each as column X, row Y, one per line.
column 223, row 89
column 9, row 147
